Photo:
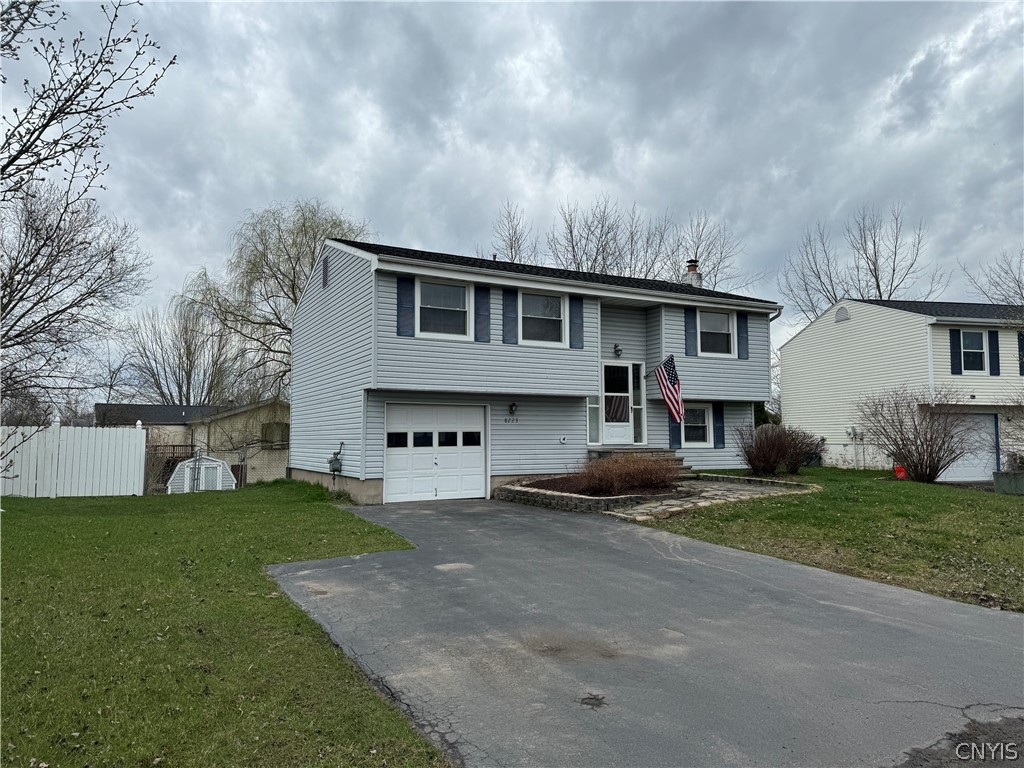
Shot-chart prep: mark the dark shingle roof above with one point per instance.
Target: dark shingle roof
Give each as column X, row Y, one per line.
column 115, row 414
column 548, row 272
column 952, row 309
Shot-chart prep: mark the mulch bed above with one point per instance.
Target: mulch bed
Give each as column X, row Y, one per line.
column 572, row 484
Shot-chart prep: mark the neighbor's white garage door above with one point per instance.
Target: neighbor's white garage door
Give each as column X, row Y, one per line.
column 980, row 463
column 434, row 452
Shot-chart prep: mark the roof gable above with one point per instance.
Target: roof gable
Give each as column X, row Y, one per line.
column 550, row 273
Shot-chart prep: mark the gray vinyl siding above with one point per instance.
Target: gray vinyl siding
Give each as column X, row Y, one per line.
column 654, row 338
column 736, row 415
column 439, row 365
column 332, row 340
column 531, row 445
column 627, row 327
column 719, row 378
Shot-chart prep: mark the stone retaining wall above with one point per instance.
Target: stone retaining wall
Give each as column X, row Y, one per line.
column 571, row 502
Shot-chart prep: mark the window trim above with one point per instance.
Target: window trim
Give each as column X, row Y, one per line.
column 733, row 335
column 467, row 287
column 709, row 422
column 984, row 353
column 564, row 343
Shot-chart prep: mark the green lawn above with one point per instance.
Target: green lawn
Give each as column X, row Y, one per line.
column 960, row 543
column 142, row 632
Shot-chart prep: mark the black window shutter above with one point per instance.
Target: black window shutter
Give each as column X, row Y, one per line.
column 482, row 313
column 742, row 340
column 509, row 316
column 993, row 353
column 1020, row 351
column 718, row 423
column 406, row 306
column 576, row 322
column 690, row 329
column 675, row 433
column 956, row 360
column 324, row 269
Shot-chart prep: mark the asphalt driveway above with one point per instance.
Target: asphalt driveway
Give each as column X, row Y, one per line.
column 525, row 637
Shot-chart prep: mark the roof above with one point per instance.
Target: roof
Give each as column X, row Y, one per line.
column 952, row 309
column 113, row 414
column 569, row 275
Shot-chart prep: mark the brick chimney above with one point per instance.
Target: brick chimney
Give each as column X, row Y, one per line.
column 692, row 276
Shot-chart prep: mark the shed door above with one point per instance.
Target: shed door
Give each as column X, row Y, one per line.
column 979, row 464
column 434, row 452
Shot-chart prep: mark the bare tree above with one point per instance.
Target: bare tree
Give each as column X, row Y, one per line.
column 512, row 236
column 1001, row 282
column 179, row 356
column 884, row 261
column 62, row 121
column 714, row 246
column 66, row 273
column 274, row 252
column 923, row 432
column 586, row 240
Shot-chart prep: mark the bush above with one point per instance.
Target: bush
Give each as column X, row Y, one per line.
column 623, row 473
column 802, row 447
column 764, row 448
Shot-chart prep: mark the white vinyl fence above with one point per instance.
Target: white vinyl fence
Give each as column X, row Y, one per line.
column 75, row 461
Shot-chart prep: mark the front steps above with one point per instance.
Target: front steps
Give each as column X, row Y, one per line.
column 666, row 454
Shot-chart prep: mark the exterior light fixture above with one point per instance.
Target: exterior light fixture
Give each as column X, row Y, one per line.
column 512, row 409
column 617, row 350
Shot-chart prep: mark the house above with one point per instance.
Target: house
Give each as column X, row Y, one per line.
column 862, row 346
column 253, row 439
column 441, row 376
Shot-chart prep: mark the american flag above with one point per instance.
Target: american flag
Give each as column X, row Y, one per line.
column 671, row 390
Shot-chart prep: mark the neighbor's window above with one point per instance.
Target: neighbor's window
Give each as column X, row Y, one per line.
column 973, row 350
column 443, row 309
column 715, row 333
column 542, row 318
column 696, row 425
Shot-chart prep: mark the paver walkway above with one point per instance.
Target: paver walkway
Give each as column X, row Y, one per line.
column 707, row 492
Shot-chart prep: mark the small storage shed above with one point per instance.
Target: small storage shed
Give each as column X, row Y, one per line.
column 201, row 474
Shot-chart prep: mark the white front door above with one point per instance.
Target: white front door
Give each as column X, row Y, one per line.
column 434, row 452
column 616, row 404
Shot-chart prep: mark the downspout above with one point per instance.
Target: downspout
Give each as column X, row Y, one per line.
column 773, row 318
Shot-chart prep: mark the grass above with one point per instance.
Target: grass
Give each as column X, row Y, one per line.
column 959, row 543
column 143, row 631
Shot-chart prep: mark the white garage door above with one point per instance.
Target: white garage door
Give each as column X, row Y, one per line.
column 434, row 452
column 980, row 463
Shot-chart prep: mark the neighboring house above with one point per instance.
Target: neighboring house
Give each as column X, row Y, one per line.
column 253, row 439
column 441, row 376
column 862, row 346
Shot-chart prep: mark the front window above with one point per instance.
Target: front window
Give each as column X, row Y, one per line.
column 696, row 426
column 542, row 318
column 715, row 333
column 973, row 350
column 443, row 309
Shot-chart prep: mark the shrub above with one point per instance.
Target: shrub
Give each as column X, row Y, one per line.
column 623, row 473
column 764, row 448
column 801, row 448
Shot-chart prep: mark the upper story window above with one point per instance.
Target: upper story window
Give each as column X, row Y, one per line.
column 973, row 350
column 542, row 318
column 715, row 331
column 442, row 309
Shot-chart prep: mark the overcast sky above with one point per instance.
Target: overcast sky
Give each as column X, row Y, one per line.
column 423, row 118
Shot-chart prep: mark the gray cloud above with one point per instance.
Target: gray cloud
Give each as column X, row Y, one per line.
column 423, row 118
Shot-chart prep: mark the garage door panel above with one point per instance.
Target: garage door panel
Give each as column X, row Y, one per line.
column 441, row 465
column 980, row 462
